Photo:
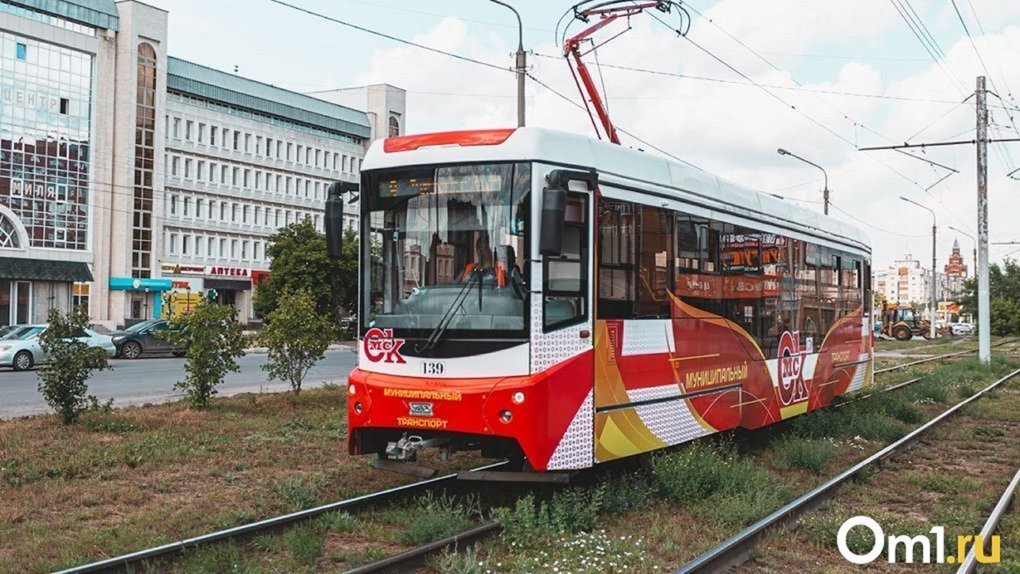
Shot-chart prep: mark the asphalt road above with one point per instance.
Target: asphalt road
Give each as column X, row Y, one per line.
column 151, row 380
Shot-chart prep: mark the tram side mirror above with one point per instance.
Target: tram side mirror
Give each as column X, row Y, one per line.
column 554, row 207
column 335, row 216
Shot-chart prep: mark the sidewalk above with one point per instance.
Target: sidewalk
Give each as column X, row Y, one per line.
column 341, row 346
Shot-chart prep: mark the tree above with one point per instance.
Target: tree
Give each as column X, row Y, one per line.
column 297, row 337
column 300, row 263
column 64, row 378
column 1004, row 297
column 213, row 339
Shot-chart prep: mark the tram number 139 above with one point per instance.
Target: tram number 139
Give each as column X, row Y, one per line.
column 433, row 368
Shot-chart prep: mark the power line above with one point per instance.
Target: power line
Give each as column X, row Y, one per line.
column 798, row 88
column 389, row 37
column 876, row 228
column 566, row 98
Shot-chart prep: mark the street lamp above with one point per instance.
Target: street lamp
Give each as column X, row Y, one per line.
column 934, row 230
column 522, row 64
column 972, row 238
column 825, row 192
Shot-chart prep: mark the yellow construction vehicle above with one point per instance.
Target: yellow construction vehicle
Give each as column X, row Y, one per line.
column 901, row 323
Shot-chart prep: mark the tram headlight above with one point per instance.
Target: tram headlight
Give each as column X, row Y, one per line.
column 357, row 408
column 506, row 415
column 351, row 389
column 518, row 397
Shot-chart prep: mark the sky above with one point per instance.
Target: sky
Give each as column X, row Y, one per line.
column 888, row 90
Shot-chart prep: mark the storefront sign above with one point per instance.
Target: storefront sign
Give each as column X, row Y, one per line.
column 185, row 284
column 228, row 271
column 178, row 269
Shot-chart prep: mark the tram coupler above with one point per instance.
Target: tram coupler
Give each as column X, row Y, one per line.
column 406, row 449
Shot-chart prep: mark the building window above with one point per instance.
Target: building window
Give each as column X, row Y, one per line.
column 212, row 209
column 175, row 166
column 187, row 169
column 145, row 129
column 223, row 248
column 244, row 214
column 256, row 253
column 233, row 249
column 336, row 161
column 198, row 209
column 173, row 205
column 187, row 130
column 345, row 165
column 198, row 245
column 255, row 219
column 258, row 145
column 209, row 247
column 22, row 52
column 244, row 250
column 201, row 133
column 200, row 174
column 212, row 173
column 269, row 147
column 237, row 140
column 65, row 105
column 187, row 206
column 172, row 246
column 212, row 135
column 247, row 177
column 233, row 213
column 223, row 211
column 177, row 128
column 290, row 151
column 247, row 143
column 394, row 130
column 299, row 149
column 184, row 244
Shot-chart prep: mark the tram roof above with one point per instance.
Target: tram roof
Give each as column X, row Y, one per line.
column 614, row 163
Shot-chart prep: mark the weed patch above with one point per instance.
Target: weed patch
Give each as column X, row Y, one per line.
column 809, row 454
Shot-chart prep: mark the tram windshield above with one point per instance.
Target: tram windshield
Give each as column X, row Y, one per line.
column 443, row 250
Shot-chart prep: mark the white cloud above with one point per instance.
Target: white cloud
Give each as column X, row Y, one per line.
column 734, row 130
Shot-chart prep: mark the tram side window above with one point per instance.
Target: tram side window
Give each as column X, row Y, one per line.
column 806, row 271
column 698, row 281
column 566, row 277
column 655, row 261
column 616, row 260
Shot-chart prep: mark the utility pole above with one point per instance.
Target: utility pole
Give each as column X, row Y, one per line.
column 933, row 298
column 982, row 141
column 984, row 316
column 522, row 64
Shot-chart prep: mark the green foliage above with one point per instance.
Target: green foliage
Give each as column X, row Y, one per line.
column 626, row 493
column 227, row 558
column 437, row 517
column 296, row 336
column 1004, row 293
column 298, row 493
column 300, row 263
column 213, row 341
column 718, row 483
column 305, row 544
column 809, row 454
column 64, row 379
column 569, row 511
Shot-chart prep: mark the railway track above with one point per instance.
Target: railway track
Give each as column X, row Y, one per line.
column 405, row 561
column 992, row 524
column 397, row 562
column 128, row 562
column 738, row 548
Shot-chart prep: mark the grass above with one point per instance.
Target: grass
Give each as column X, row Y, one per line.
column 140, row 476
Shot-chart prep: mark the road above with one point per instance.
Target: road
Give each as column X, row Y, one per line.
column 152, row 380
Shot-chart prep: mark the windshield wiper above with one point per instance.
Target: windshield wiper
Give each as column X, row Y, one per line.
column 447, row 318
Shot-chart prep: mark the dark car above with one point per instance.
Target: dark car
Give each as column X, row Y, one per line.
column 145, row 338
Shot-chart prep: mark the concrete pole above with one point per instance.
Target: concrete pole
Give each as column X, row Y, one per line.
column 934, row 279
column 983, row 302
column 521, row 63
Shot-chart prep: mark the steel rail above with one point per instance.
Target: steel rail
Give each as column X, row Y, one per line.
column 970, row 564
column 414, row 555
column 125, row 561
column 929, row 359
column 736, row 549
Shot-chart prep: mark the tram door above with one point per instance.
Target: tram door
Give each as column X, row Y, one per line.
column 562, row 344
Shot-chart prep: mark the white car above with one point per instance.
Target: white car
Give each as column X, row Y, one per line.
column 21, row 350
column 961, row 328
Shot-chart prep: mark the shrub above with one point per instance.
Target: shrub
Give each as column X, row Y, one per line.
column 298, row 494
column 438, row 517
column 809, row 454
column 297, row 337
column 305, row 544
column 214, row 341
column 64, row 379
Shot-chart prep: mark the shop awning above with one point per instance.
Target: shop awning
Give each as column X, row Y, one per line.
column 43, row 270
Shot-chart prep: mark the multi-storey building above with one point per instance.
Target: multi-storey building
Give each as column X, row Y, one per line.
column 134, row 182
column 906, row 281
column 55, row 137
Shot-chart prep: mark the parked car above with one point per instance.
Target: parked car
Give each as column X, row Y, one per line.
column 21, row 350
column 145, row 338
column 961, row 328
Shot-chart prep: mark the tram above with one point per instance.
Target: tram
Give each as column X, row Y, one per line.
column 563, row 301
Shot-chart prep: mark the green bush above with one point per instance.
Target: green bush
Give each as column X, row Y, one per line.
column 809, row 454
column 305, row 544
column 298, row 493
column 214, row 341
column 438, row 517
column 296, row 337
column 64, row 379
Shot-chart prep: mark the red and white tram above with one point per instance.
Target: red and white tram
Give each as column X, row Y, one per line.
column 564, row 301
